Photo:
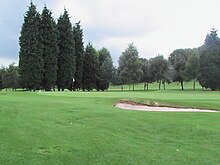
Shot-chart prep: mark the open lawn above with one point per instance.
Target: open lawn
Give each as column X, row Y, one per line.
column 155, row 85
column 85, row 128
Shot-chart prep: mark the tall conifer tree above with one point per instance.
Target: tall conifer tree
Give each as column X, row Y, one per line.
column 79, row 50
column 90, row 68
column 66, row 56
column 210, row 62
column 50, row 49
column 105, row 72
column 30, row 55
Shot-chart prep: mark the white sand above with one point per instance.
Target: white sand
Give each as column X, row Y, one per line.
column 128, row 106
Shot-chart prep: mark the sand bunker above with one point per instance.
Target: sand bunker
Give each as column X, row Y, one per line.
column 137, row 107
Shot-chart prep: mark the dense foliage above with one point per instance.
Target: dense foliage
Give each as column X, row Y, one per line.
column 130, row 66
column 192, row 68
column 105, row 69
column 9, row 77
column 79, row 51
column 90, row 68
column 158, row 69
column 31, row 63
column 50, row 49
column 52, row 55
column 147, row 76
column 210, row 62
column 178, row 60
column 66, row 55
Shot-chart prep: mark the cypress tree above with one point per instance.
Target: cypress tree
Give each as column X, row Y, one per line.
column 50, row 49
column 210, row 62
column 66, row 55
column 90, row 68
column 105, row 72
column 30, row 55
column 79, row 50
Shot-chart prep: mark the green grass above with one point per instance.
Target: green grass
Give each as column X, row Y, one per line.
column 85, row 128
column 155, row 86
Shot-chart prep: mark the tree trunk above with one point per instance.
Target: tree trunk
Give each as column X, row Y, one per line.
column 133, row 86
column 194, row 84
column 159, row 84
column 147, row 85
column 122, row 88
column 182, row 85
column 144, row 86
column 164, row 85
column 129, row 86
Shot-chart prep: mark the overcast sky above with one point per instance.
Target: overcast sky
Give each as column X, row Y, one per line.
column 154, row 26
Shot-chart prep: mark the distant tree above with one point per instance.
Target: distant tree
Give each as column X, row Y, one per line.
column 50, row 49
column 90, row 68
column 66, row 56
column 115, row 77
column 168, row 76
column 105, row 69
column 178, row 60
column 210, row 62
column 10, row 77
column 146, row 77
column 31, row 49
column 192, row 68
column 79, row 50
column 2, row 70
column 130, row 66
column 158, row 69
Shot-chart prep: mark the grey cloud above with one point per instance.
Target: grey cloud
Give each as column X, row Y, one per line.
column 155, row 26
column 11, row 19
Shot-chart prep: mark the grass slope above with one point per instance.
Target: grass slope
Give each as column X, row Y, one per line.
column 85, row 128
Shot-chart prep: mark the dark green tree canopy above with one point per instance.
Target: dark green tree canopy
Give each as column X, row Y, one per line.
column 178, row 60
column 147, row 77
column 31, row 49
column 158, row 69
column 2, row 71
column 50, row 49
column 130, row 65
column 66, row 56
column 116, row 80
column 90, row 68
column 105, row 69
column 79, row 51
column 210, row 62
column 10, row 77
column 192, row 67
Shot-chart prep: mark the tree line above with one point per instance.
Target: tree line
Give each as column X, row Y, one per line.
column 52, row 55
column 199, row 64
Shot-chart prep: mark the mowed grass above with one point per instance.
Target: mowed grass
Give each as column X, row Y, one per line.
column 85, row 128
column 155, row 86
